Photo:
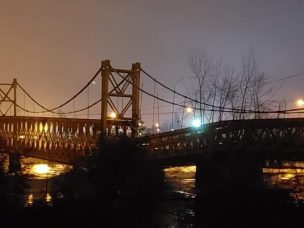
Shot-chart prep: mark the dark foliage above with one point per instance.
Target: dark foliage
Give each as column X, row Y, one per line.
column 118, row 181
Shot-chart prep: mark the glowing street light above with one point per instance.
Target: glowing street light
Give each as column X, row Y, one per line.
column 300, row 102
column 189, row 109
column 196, row 123
column 157, row 125
column 112, row 115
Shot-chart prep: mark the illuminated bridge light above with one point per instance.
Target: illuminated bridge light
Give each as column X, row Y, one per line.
column 196, row 123
column 112, row 115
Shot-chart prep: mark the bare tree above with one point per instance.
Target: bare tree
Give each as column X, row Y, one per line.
column 221, row 87
column 248, row 76
column 200, row 66
column 227, row 90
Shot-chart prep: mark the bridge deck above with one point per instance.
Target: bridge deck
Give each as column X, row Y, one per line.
column 64, row 139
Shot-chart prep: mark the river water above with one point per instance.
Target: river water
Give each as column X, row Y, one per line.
column 40, row 175
column 176, row 209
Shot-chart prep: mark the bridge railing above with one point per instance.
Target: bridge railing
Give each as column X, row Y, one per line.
column 272, row 137
column 61, row 138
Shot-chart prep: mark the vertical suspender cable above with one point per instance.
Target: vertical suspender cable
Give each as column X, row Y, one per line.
column 24, row 103
column 74, row 114
column 158, row 113
column 153, row 105
column 181, row 126
column 88, row 110
column 140, row 100
column 172, row 128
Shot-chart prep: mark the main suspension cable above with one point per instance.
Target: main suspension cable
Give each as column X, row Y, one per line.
column 65, row 103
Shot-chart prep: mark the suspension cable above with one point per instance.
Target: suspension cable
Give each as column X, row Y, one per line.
column 218, row 108
column 180, row 94
column 214, row 108
column 65, row 103
column 64, row 113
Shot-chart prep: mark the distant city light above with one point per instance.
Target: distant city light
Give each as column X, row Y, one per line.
column 157, row 125
column 196, row 123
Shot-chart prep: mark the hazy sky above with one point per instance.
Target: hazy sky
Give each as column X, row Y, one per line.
column 54, row 47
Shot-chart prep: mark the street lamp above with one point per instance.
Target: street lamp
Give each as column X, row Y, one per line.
column 300, row 102
column 112, row 115
column 196, row 123
column 189, row 110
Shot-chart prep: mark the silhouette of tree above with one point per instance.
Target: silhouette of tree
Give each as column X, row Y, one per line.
column 221, row 86
column 119, row 181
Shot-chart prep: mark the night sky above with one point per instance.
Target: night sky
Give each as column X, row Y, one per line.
column 54, row 47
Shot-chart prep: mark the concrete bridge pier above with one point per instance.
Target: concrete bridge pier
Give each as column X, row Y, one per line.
column 222, row 171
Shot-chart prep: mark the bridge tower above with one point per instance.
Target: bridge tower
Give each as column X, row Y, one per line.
column 8, row 95
column 120, row 99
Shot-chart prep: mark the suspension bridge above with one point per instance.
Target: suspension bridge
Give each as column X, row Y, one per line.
column 64, row 138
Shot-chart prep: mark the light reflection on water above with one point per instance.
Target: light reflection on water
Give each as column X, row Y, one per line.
column 34, row 168
column 291, row 179
column 181, row 180
column 177, row 208
column 39, row 177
